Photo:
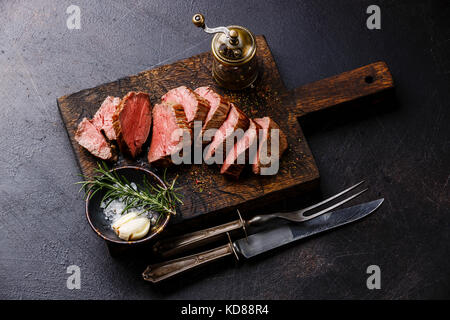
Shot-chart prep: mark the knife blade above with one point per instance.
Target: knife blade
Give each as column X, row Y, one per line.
column 262, row 241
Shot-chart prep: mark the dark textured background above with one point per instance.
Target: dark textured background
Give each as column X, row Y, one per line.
column 403, row 154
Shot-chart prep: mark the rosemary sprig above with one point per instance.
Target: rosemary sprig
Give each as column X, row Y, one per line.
column 151, row 197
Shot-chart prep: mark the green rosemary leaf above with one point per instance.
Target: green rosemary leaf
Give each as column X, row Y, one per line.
column 155, row 198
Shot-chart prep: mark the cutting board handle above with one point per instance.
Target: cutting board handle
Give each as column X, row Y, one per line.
column 342, row 88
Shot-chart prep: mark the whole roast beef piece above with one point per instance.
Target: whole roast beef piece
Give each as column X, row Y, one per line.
column 90, row 138
column 236, row 119
column 103, row 118
column 170, row 128
column 132, row 122
column 264, row 155
column 244, row 150
column 195, row 107
column 220, row 106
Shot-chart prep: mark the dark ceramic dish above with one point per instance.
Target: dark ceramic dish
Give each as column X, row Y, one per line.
column 96, row 217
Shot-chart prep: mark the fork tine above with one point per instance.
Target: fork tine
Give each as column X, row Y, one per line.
column 306, row 218
column 330, row 198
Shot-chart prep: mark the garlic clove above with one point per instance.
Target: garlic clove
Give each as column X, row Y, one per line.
column 123, row 219
column 145, row 227
column 133, row 229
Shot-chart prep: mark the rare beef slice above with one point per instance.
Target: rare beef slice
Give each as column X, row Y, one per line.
column 236, row 119
column 195, row 107
column 103, row 118
column 220, row 106
column 90, row 138
column 132, row 122
column 265, row 155
column 244, row 150
column 170, row 133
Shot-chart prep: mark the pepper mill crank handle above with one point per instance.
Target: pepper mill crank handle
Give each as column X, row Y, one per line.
column 199, row 20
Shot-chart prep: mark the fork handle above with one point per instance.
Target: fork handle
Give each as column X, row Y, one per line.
column 172, row 246
column 261, row 219
column 175, row 245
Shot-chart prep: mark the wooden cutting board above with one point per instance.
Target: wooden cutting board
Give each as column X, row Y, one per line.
column 204, row 189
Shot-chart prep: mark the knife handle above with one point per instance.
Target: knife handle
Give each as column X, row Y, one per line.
column 164, row 270
column 171, row 246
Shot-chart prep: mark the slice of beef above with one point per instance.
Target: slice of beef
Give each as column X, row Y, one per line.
column 244, row 150
column 90, row 138
column 265, row 144
column 220, row 106
column 168, row 119
column 195, row 107
column 103, row 118
column 132, row 122
column 236, row 119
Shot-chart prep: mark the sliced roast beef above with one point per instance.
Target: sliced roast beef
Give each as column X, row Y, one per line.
column 220, row 106
column 170, row 127
column 132, row 122
column 90, row 138
column 244, row 150
column 195, row 107
column 103, row 118
column 264, row 155
column 236, row 119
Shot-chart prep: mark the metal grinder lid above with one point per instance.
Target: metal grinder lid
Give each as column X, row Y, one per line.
column 232, row 45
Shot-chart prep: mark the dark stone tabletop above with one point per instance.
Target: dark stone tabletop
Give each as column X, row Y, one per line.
column 403, row 154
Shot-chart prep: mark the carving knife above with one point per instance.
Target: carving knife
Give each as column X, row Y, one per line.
column 261, row 242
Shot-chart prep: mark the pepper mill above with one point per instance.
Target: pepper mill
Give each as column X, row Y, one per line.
column 234, row 55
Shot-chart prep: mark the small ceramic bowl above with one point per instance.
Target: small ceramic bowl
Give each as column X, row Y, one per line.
column 97, row 219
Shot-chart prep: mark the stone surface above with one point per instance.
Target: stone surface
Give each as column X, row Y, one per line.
column 404, row 154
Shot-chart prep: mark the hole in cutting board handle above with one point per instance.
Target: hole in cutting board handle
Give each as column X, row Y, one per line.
column 368, row 79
